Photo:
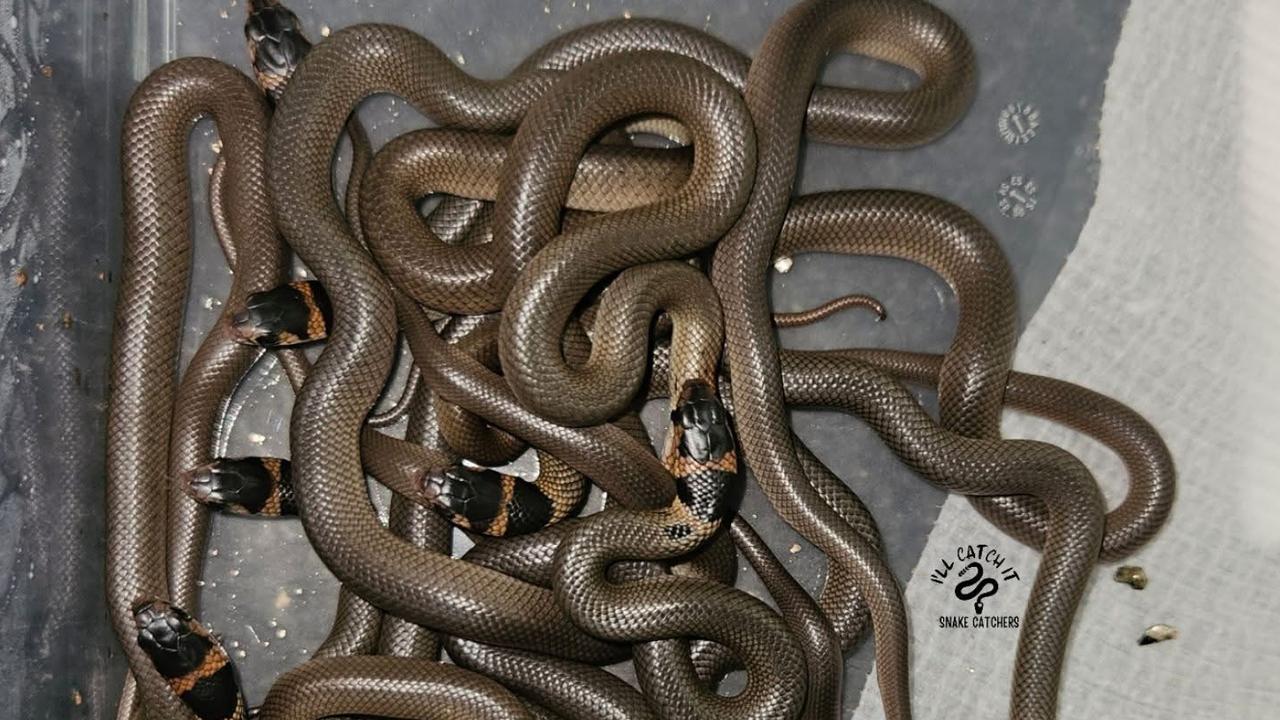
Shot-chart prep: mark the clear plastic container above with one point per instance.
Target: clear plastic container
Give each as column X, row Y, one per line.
column 1023, row 161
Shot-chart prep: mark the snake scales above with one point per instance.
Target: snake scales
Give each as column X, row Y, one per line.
column 560, row 262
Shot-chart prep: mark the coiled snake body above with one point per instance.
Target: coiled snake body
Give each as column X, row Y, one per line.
column 583, row 255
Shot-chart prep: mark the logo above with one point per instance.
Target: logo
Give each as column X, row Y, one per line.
column 1018, row 123
column 1016, row 197
column 974, row 577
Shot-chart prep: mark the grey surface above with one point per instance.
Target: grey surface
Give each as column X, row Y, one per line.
column 266, row 592
column 1187, row 209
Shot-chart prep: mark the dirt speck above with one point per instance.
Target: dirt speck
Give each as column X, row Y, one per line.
column 1158, row 633
column 1131, row 575
column 20, row 277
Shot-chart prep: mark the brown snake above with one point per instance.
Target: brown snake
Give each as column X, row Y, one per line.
column 537, row 614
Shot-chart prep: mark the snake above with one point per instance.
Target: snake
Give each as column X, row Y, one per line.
column 534, row 268
column 193, row 663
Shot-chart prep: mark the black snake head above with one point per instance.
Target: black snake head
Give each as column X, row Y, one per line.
column 291, row 314
column 190, row 659
column 276, row 44
column 244, row 486
column 174, row 642
column 705, row 434
column 472, row 498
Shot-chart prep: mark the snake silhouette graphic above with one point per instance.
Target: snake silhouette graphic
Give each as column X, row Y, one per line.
column 977, row 587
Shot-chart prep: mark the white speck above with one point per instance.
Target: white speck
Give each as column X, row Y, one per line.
column 213, row 552
column 795, row 548
column 254, row 633
column 241, row 654
column 783, row 264
column 235, row 643
column 281, row 632
column 211, row 303
column 546, row 9
column 257, row 438
column 626, row 14
column 223, row 14
column 325, row 30
column 283, row 600
column 297, row 591
column 13, row 22
column 235, row 572
column 216, row 145
column 461, row 60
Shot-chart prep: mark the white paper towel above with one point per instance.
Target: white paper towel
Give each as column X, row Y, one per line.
column 1167, row 304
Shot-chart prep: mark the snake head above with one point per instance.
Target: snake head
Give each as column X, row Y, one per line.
column 244, row 486
column 169, row 636
column 472, row 498
column 276, row 44
column 291, row 314
column 704, row 423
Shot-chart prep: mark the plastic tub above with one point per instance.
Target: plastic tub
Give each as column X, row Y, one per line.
column 1023, row 161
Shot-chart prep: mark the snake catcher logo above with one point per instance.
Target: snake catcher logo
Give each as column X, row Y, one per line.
column 974, row 576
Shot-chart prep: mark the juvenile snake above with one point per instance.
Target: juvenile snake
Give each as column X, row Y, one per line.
column 567, row 374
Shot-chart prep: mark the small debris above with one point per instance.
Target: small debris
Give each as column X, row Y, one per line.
column 283, row 600
column 783, row 264
column 223, row 14
column 325, row 31
column 257, row 438
column 20, row 277
column 281, row 632
column 76, row 697
column 216, row 145
column 461, row 60
column 795, row 548
column 1131, row 575
column 1158, row 633
column 46, row 70
column 626, row 14
column 67, row 320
